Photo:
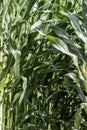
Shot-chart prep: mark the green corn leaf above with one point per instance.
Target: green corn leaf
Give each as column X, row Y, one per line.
column 84, row 106
column 21, row 5
column 17, row 55
column 78, row 119
column 74, row 47
column 19, row 23
column 5, row 8
column 59, row 45
column 39, row 23
column 84, row 13
column 29, row 7
column 79, row 90
column 16, row 97
column 24, row 86
column 76, row 25
column 62, row 47
column 36, row 25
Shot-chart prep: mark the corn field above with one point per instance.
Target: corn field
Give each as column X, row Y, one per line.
column 43, row 65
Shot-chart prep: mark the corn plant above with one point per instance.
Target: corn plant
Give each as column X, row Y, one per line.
column 43, row 65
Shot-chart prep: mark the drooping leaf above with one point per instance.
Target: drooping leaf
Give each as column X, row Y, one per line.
column 71, row 43
column 76, row 25
column 62, row 47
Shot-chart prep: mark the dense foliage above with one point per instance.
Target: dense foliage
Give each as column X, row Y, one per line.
column 43, row 64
